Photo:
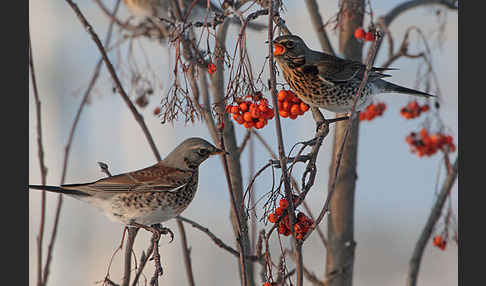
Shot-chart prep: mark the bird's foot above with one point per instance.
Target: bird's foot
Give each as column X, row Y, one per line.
column 321, row 126
column 163, row 230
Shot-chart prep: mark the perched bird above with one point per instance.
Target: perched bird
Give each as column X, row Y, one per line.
column 329, row 82
column 155, row 9
column 148, row 196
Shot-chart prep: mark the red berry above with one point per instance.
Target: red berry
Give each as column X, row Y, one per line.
column 260, row 123
column 235, row 109
column 283, row 113
column 359, row 33
column 303, row 107
column 295, row 109
column 282, row 95
column 255, row 113
column 247, row 116
column 284, row 203
column 272, row 218
column 243, row 106
column 286, row 106
column 370, row 36
column 211, row 68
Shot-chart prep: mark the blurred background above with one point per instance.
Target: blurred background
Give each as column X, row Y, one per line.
column 394, row 193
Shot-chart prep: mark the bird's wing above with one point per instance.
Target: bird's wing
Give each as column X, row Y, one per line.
column 336, row 70
column 339, row 70
column 156, row 178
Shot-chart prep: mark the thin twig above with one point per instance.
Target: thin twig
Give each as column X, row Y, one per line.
column 281, row 149
column 43, row 169
column 414, row 264
column 243, row 143
column 294, row 184
column 319, row 27
column 214, row 238
column 186, row 251
column 111, row 69
column 369, row 61
column 66, row 156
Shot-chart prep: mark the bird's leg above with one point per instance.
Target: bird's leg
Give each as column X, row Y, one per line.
column 318, row 118
column 156, row 256
column 156, row 230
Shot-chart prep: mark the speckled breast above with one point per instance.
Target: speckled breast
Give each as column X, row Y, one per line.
column 314, row 91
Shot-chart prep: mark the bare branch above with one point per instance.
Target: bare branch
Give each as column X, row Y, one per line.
column 386, row 20
column 186, row 251
column 215, row 239
column 316, row 20
column 369, row 61
column 111, row 69
column 43, row 168
column 414, row 264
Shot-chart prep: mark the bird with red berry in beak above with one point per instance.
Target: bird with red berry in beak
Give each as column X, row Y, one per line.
column 328, row 82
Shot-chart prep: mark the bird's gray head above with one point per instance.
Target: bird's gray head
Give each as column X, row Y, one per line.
column 191, row 153
column 289, row 47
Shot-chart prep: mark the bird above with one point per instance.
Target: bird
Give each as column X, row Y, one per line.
column 148, row 196
column 329, row 82
column 153, row 10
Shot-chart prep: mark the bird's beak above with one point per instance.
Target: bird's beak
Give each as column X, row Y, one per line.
column 219, row 151
column 278, row 49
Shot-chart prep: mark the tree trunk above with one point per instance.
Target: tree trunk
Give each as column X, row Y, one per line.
column 341, row 244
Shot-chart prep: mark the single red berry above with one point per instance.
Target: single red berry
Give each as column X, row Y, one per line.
column 303, row 107
column 157, row 110
column 369, row 36
column 282, row 95
column 255, row 113
column 283, row 113
column 243, row 106
column 284, row 203
column 272, row 218
column 286, row 106
column 359, row 33
column 247, row 116
column 235, row 109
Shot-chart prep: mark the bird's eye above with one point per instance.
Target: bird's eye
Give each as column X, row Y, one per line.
column 290, row 44
column 203, row 152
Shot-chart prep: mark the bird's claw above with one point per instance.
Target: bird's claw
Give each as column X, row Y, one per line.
column 163, row 230
column 322, row 123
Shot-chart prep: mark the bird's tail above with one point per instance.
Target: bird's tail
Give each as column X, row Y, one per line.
column 59, row 190
column 385, row 86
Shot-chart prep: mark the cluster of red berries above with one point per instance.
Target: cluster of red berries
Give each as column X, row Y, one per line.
column 361, row 34
column 372, row 111
column 289, row 105
column 439, row 242
column 424, row 143
column 268, row 284
column 413, row 109
column 302, row 223
column 254, row 112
